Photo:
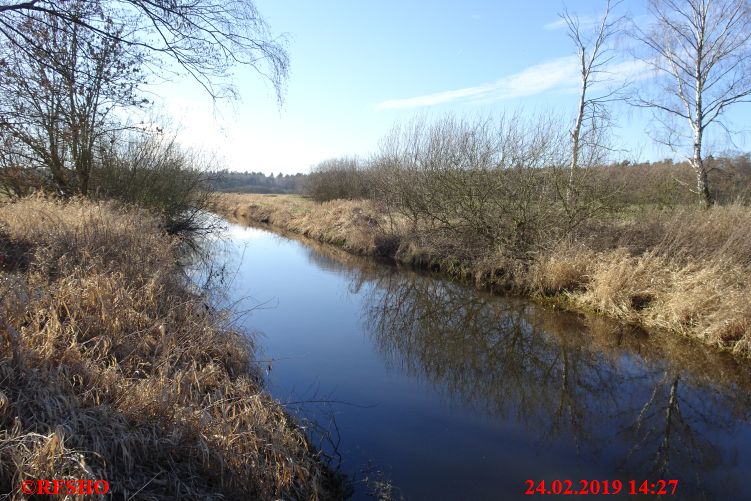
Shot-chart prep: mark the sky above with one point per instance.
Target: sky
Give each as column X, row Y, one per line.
column 357, row 68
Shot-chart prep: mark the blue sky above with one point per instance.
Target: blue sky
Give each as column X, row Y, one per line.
column 359, row 67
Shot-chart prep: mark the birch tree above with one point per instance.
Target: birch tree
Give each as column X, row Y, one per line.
column 593, row 57
column 699, row 50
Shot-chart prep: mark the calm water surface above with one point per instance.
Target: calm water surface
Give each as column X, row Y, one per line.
column 451, row 393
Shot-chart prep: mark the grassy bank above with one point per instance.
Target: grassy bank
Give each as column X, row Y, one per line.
column 110, row 368
column 683, row 270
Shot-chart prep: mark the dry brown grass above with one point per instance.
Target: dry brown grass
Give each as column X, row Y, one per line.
column 694, row 280
column 565, row 269
column 111, row 369
column 684, row 270
column 353, row 225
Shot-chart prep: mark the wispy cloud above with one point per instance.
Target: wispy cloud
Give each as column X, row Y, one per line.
column 558, row 74
column 586, row 22
column 555, row 25
column 530, row 81
column 629, row 71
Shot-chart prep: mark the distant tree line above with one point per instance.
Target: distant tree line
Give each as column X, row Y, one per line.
column 257, row 182
column 665, row 182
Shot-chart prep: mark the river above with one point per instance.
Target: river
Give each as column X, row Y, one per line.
column 445, row 392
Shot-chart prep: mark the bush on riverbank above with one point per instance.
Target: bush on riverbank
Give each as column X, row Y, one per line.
column 111, row 369
column 151, row 170
column 155, row 172
column 682, row 269
column 339, row 178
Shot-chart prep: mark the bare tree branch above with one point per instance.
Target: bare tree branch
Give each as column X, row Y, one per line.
column 701, row 51
column 594, row 55
column 206, row 38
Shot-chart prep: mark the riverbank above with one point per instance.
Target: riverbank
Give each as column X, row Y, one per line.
column 681, row 270
column 112, row 369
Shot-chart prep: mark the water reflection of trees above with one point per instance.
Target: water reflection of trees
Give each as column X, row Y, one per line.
column 660, row 400
column 662, row 406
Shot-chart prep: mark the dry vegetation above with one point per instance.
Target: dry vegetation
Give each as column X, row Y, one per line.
column 110, row 368
column 684, row 270
column 350, row 224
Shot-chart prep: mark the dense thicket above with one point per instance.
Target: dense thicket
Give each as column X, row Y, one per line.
column 479, row 189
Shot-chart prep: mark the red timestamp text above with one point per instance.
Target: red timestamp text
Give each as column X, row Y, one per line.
column 601, row 487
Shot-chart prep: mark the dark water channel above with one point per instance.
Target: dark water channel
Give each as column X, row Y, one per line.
column 451, row 393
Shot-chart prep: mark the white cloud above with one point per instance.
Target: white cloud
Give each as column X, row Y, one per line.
column 530, row 81
column 555, row 25
column 432, row 99
column 630, row 71
column 585, row 22
column 558, row 74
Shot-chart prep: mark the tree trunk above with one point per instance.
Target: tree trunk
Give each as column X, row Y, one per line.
column 697, row 162
column 576, row 132
column 83, row 180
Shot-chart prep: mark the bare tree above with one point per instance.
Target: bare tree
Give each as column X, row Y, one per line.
column 66, row 66
column 206, row 38
column 59, row 96
column 700, row 50
column 489, row 184
column 594, row 55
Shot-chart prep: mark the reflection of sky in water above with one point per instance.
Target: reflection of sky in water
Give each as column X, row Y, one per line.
column 458, row 395
column 239, row 233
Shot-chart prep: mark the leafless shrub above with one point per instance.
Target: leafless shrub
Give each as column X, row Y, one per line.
column 490, row 183
column 154, row 171
column 338, row 178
